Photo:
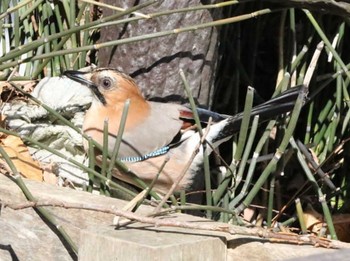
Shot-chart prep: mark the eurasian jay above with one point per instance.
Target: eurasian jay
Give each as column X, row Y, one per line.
column 155, row 131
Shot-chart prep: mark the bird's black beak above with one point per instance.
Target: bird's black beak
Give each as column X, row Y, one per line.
column 80, row 77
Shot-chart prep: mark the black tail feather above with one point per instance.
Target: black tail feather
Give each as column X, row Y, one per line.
column 276, row 106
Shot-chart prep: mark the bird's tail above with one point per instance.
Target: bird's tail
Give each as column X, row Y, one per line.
column 276, row 106
column 223, row 130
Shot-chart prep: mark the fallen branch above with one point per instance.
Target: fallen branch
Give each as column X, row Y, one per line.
column 157, row 222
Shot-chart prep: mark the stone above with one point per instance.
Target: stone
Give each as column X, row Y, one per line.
column 25, row 236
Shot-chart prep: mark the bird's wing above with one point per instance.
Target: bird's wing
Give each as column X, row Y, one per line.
column 155, row 132
column 203, row 115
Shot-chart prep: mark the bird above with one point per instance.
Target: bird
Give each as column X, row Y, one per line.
column 157, row 132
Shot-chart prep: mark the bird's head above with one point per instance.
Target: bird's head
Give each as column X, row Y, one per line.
column 109, row 86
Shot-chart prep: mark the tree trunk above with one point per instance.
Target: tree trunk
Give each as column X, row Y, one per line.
column 155, row 63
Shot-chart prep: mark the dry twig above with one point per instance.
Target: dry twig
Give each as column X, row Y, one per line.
column 226, row 228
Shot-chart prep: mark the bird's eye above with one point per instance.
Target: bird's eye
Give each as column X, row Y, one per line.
column 106, row 83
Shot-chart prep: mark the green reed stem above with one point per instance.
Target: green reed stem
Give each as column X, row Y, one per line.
column 121, row 41
column 92, row 164
column 17, row 52
column 103, row 186
column 69, row 159
column 14, row 9
column 321, row 196
column 326, row 41
column 205, row 152
column 119, row 138
column 300, row 214
column 44, row 212
column 280, row 150
column 252, row 165
column 271, row 201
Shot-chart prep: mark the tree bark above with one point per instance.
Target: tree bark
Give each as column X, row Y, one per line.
column 155, row 63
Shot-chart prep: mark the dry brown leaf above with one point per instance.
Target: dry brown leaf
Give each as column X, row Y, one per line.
column 315, row 221
column 50, row 178
column 4, row 84
column 21, row 158
column 2, row 123
column 27, row 86
column 8, row 93
column 342, row 226
column 49, row 175
column 249, row 214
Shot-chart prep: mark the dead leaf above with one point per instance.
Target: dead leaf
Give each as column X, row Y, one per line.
column 27, row 86
column 8, row 93
column 342, row 226
column 315, row 221
column 2, row 123
column 21, row 158
column 49, row 175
